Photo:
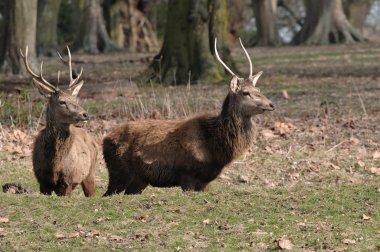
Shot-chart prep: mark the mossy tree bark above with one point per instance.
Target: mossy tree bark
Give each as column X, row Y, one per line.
column 21, row 32
column 326, row 23
column 266, row 16
column 47, row 20
column 187, row 51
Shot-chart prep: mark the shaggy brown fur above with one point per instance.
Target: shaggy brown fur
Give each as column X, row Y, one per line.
column 63, row 155
column 186, row 153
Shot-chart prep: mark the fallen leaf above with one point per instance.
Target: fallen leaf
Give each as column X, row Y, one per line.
column 354, row 140
column 285, row 244
column 66, row 235
column 335, row 167
column 376, row 155
column 268, row 134
column 206, row 221
column 224, row 177
column 375, row 170
column 243, row 179
column 4, row 220
column 285, row 94
column 348, row 241
column 378, row 190
column 93, row 233
column 365, row 217
column 115, row 238
column 259, row 232
column 2, row 232
column 101, row 220
column 360, row 163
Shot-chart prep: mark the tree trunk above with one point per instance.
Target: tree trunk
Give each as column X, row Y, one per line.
column 357, row 11
column 94, row 37
column 130, row 28
column 4, row 11
column 218, row 28
column 21, row 33
column 186, row 53
column 266, row 15
column 326, row 23
column 47, row 20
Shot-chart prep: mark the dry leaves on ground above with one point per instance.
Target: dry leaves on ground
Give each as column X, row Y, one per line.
column 2, row 232
column 348, row 241
column 4, row 220
column 375, row 170
column 284, row 243
column 15, row 140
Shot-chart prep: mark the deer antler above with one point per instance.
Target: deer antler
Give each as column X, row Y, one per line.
column 73, row 81
column 225, row 66
column 37, row 78
column 250, row 62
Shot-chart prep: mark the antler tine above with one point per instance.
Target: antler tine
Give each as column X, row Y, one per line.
column 72, row 81
column 25, row 59
column 37, row 77
column 225, row 66
column 59, row 55
column 44, row 80
column 250, row 62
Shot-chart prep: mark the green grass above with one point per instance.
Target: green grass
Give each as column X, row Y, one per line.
column 316, row 215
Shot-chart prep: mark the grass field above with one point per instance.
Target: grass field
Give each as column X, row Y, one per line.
column 311, row 182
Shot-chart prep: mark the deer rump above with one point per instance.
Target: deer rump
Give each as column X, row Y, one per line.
column 163, row 154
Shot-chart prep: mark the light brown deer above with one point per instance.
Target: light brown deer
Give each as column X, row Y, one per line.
column 186, row 153
column 63, row 154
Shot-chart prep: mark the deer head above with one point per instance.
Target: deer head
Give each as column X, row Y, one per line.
column 63, row 106
column 247, row 98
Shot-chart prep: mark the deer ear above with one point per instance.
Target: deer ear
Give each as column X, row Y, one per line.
column 255, row 78
column 234, row 84
column 76, row 88
column 44, row 90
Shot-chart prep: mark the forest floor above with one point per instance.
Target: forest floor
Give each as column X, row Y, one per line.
column 311, row 182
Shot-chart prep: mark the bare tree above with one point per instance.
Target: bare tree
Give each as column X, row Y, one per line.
column 266, row 15
column 21, row 26
column 326, row 23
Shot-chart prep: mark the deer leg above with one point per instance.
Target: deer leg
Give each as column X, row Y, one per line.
column 136, row 186
column 117, row 183
column 63, row 189
column 192, row 184
column 88, row 186
column 46, row 190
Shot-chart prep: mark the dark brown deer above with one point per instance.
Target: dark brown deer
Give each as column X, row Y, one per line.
column 63, row 154
column 186, row 153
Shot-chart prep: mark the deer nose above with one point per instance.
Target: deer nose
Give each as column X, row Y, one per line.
column 85, row 116
column 271, row 106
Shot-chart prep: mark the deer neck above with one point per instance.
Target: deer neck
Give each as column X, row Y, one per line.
column 237, row 130
column 59, row 133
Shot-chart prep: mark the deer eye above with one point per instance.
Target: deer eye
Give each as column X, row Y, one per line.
column 62, row 103
column 245, row 93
